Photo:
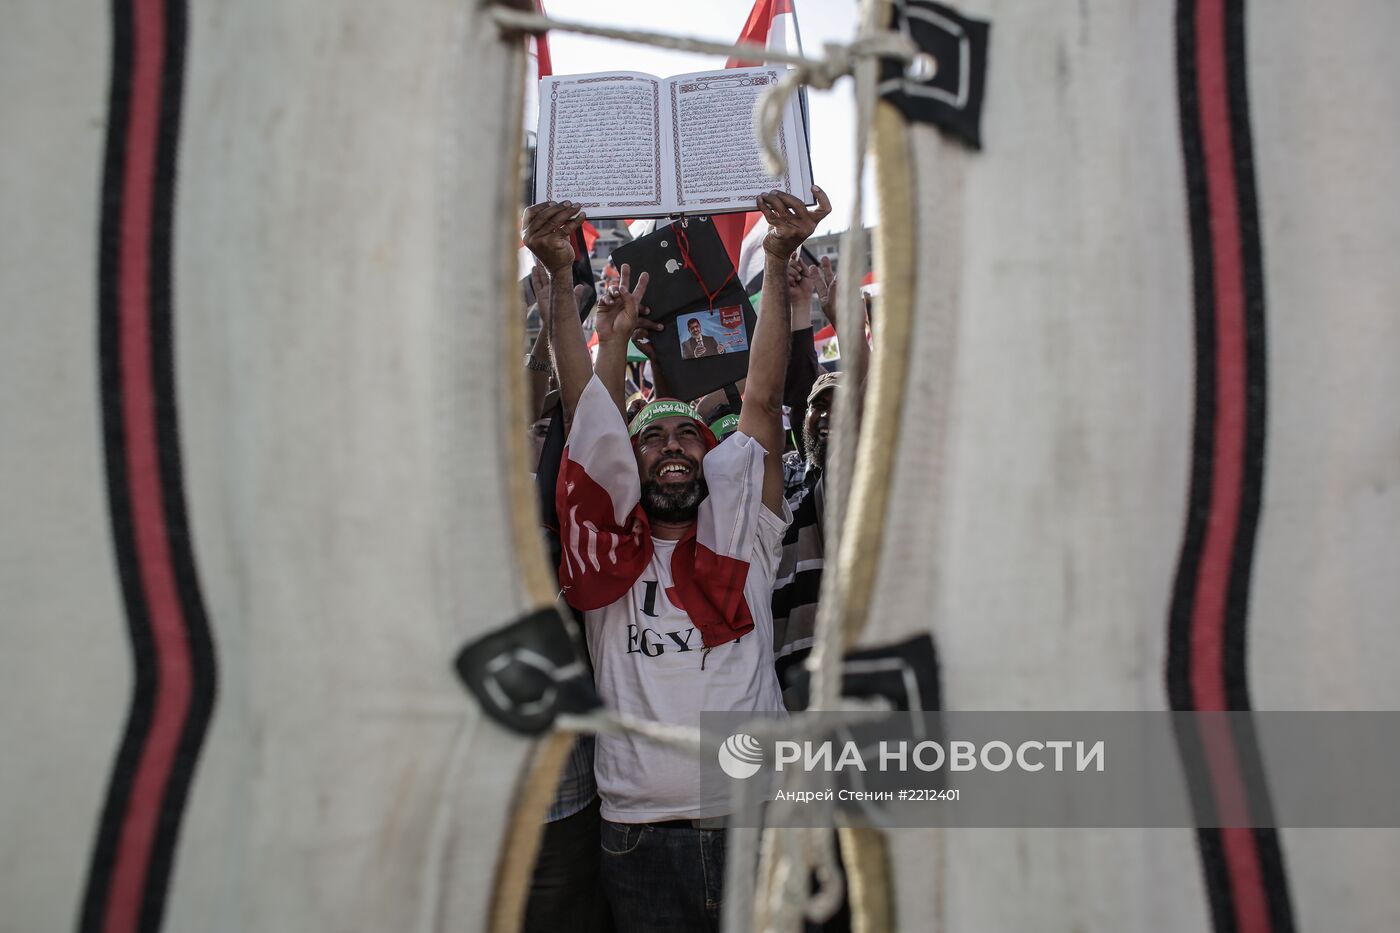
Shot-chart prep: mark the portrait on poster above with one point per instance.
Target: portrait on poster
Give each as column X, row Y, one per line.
column 711, row 332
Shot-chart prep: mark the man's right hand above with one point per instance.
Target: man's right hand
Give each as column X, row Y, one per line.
column 547, row 231
column 641, row 335
column 539, row 283
column 801, row 285
column 829, row 290
column 618, row 311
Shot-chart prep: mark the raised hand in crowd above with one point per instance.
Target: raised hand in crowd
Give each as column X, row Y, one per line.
column 537, row 361
column 619, row 306
column 539, row 284
column 827, row 290
column 801, row 285
column 615, row 318
column 790, row 222
column 547, row 229
column 642, row 336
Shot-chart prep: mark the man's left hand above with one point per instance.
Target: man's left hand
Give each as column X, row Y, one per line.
column 801, row 282
column 615, row 315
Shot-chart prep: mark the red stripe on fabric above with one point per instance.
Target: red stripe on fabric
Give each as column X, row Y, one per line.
column 546, row 64
column 731, row 229
column 711, row 588
column 756, row 29
column 165, row 613
column 1209, row 617
column 581, row 500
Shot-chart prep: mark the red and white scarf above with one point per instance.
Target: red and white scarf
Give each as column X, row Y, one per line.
column 606, row 535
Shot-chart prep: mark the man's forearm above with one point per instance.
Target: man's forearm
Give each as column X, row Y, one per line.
column 802, row 372
column 769, row 353
column 569, row 350
column 761, row 418
column 539, row 380
column 762, row 415
column 611, row 369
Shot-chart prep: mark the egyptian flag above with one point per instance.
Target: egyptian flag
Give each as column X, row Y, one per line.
column 540, row 64
column 772, row 24
column 606, row 534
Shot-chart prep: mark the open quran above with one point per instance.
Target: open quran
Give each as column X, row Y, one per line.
column 625, row 144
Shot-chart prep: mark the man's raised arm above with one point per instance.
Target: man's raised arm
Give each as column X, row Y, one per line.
column 547, row 230
column 790, row 224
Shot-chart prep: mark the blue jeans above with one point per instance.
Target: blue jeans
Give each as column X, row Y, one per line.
column 663, row 877
column 564, row 896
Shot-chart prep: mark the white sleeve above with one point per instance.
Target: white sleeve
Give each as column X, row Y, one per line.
column 598, row 442
column 733, row 521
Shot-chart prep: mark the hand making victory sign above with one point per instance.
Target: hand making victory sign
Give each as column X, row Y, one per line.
column 615, row 317
column 618, row 309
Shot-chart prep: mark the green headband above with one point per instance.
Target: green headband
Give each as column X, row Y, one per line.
column 663, row 408
column 723, row 427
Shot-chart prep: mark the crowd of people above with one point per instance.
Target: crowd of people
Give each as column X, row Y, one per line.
column 689, row 541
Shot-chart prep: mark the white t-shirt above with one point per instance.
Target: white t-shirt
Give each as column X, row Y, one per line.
column 648, row 661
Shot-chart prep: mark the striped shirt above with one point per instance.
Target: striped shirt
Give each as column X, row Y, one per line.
column 799, row 579
column 576, row 787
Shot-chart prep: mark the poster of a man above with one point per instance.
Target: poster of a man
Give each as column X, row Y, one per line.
column 705, row 333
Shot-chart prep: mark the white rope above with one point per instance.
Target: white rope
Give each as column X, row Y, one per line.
column 839, row 61
column 821, row 73
column 796, row 854
column 611, row 722
column 537, row 24
column 825, row 660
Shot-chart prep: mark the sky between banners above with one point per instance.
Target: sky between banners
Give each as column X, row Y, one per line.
column 832, row 114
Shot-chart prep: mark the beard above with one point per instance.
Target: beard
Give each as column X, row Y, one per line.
column 816, row 446
column 673, row 502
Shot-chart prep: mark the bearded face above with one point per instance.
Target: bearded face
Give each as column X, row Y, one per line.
column 678, row 503
column 816, row 427
column 668, row 453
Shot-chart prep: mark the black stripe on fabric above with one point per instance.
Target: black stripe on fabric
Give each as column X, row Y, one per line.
column 144, row 679
column 202, row 659
column 804, row 590
column 1235, row 635
column 1267, row 842
column 803, row 517
column 1203, row 436
column 1178, row 664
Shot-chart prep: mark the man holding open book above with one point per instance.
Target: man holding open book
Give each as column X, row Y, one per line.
column 671, row 546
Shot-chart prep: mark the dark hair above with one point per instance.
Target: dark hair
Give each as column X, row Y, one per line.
column 718, row 412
